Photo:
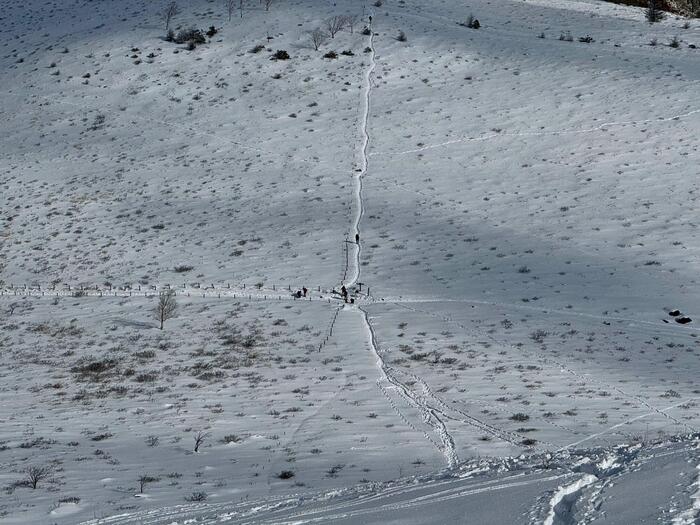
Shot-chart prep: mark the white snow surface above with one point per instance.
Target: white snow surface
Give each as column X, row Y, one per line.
column 527, row 217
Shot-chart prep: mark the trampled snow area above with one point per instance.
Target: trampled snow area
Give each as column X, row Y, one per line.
column 526, row 206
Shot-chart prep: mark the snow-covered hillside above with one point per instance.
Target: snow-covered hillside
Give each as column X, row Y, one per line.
column 511, row 208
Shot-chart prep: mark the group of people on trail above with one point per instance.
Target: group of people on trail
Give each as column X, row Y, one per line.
column 301, row 293
column 345, row 295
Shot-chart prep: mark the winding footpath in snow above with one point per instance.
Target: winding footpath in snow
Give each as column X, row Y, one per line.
column 431, row 415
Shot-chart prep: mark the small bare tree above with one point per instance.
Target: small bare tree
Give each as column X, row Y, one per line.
column 145, row 479
column 199, row 439
column 230, row 6
column 240, row 7
column 318, row 37
column 166, row 307
column 170, row 12
column 36, row 473
column 335, row 24
column 268, row 4
column 351, row 22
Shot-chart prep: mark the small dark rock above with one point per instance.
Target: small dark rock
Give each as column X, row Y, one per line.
column 674, row 313
column 683, row 320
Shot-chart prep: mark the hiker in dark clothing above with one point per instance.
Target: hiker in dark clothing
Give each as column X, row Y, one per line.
column 298, row 294
column 304, row 290
column 357, row 238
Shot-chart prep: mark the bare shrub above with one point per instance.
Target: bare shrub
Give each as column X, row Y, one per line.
column 37, row 473
column 166, row 308
column 318, row 37
column 144, row 479
column 335, row 24
column 199, row 439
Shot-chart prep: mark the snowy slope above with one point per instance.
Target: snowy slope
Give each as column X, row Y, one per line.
column 526, row 207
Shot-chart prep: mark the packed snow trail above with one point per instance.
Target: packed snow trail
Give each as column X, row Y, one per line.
column 325, row 506
column 563, row 498
column 360, row 208
column 431, row 415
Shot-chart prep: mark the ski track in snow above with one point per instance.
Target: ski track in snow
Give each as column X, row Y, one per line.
column 538, row 133
column 430, row 415
column 434, row 410
column 460, row 415
column 626, row 421
column 446, row 496
column 323, row 502
column 583, row 377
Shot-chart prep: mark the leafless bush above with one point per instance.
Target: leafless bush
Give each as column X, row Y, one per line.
column 145, row 479
column 335, row 24
column 166, row 307
column 199, row 439
column 318, row 37
column 37, row 473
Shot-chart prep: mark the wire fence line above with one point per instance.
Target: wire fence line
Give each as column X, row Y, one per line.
column 329, row 329
column 225, row 290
